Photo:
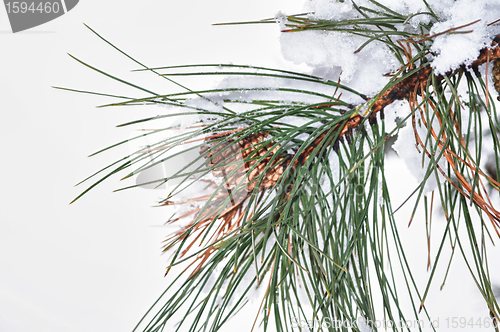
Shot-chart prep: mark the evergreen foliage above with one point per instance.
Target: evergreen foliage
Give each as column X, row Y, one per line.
column 300, row 201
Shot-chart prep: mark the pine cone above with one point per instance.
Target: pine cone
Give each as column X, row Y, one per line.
column 496, row 76
column 242, row 162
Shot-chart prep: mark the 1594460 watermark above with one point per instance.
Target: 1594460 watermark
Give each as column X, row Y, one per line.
column 27, row 14
column 327, row 323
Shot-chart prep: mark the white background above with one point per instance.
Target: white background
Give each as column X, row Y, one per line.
column 96, row 265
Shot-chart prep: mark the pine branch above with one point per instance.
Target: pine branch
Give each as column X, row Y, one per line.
column 306, row 204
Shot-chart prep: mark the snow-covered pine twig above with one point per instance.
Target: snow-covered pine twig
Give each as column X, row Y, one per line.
column 295, row 204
